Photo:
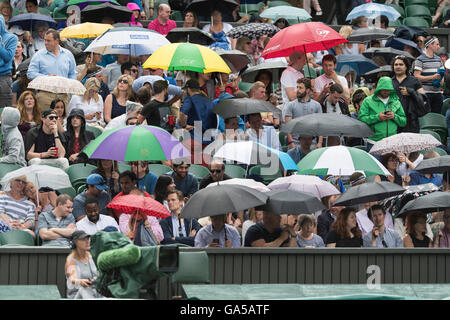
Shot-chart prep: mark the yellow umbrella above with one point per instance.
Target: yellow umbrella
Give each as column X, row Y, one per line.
column 85, row 30
column 186, row 56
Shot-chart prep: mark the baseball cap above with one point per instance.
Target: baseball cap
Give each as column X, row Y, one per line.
column 96, row 180
column 79, row 235
column 48, row 112
column 191, row 84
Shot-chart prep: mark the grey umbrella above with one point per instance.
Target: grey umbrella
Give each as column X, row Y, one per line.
column 369, row 34
column 192, row 35
column 372, row 76
column 235, row 59
column 276, row 68
column 239, row 106
column 388, row 53
column 291, row 202
column 434, row 165
column 371, row 191
column 222, row 199
column 327, row 124
column 432, row 202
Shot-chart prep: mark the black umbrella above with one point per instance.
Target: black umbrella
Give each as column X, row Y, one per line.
column 253, row 30
column 22, row 68
column 291, row 202
column 222, row 199
column 327, row 124
column 206, row 7
column 239, row 106
column 191, row 35
column 276, row 68
column 432, row 202
column 434, row 165
column 409, row 33
column 95, row 13
column 372, row 76
column 367, row 192
column 235, row 59
column 369, row 34
column 388, row 53
column 29, row 21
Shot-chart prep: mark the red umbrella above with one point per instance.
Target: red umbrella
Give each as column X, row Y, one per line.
column 132, row 203
column 305, row 37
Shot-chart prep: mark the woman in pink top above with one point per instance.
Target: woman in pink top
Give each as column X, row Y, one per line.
column 128, row 225
column 136, row 14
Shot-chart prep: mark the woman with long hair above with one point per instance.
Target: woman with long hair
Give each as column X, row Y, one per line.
column 164, row 184
column 108, row 169
column 348, row 48
column 190, row 20
column 30, row 116
column 416, row 229
column 390, row 161
column 345, row 231
column 60, row 108
column 91, row 102
column 116, row 102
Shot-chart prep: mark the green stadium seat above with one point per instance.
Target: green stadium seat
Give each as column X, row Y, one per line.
column 444, row 12
column 440, row 151
column 268, row 178
column 176, row 15
column 418, row 11
column 81, row 188
column 398, row 8
column 58, row 14
column 78, row 173
column 416, row 22
column 363, row 148
column 70, row 191
column 159, row 169
column 235, row 171
column 434, row 134
column 16, row 237
column 416, row 2
column 282, row 136
column 445, row 106
column 245, row 86
column 271, row 4
column 396, row 23
column 433, row 121
column 199, row 171
column 309, row 72
column 7, row 167
column 44, row 11
column 96, row 131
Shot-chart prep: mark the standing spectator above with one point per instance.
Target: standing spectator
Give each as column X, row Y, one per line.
column 6, row 11
column 38, row 37
column 146, row 180
column 45, row 144
column 343, row 8
column 56, row 227
column 217, row 173
column 266, row 135
column 206, row 85
column 382, row 112
column 91, row 102
column 306, row 237
column 8, row 45
column 162, row 24
column 19, row 57
column 291, row 74
column 115, row 102
column 258, row 92
column 345, row 231
column 442, row 237
column 77, row 136
column 30, row 116
column 13, row 149
column 218, row 31
column 218, row 234
column 156, row 112
column 164, row 185
column 32, row 6
column 416, row 229
column 136, row 14
column 348, row 47
column 184, row 181
column 333, row 101
column 94, row 221
column 381, row 236
column 427, row 68
column 322, row 83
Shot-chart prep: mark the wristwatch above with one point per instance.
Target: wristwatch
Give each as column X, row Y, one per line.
column 57, row 137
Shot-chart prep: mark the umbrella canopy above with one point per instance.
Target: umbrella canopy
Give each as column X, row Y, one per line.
column 311, row 184
column 236, row 60
column 85, row 30
column 28, row 21
column 341, row 161
column 242, row 182
column 250, row 152
column 57, row 84
column 132, row 203
column 192, row 35
column 435, row 201
column 305, row 37
column 95, row 13
column 135, row 143
column 357, row 62
column 327, row 124
column 127, row 40
column 222, row 199
column 369, row 34
column 400, row 43
column 40, row 175
column 291, row 202
column 253, row 30
column 239, row 106
column 286, row 12
column 276, row 67
column 186, row 56
column 367, row 192
column 206, row 7
column 388, row 53
column 84, row 3
column 434, row 165
column 372, row 76
column 373, row 10
column 405, row 142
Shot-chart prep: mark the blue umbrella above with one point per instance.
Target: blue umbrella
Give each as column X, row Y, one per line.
column 139, row 82
column 28, row 21
column 400, row 43
column 373, row 10
column 356, row 62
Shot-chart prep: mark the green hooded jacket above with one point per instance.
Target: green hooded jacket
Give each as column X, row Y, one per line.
column 372, row 106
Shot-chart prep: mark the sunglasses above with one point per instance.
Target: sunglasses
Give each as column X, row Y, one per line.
column 215, row 171
column 53, row 118
column 400, row 56
column 123, row 81
column 135, row 70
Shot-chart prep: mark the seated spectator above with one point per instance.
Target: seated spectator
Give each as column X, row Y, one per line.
column 217, row 173
column 381, row 236
column 115, row 102
column 131, row 69
column 190, row 19
column 44, row 144
column 77, row 136
column 30, row 116
column 334, row 101
column 13, row 149
column 164, row 185
column 345, row 231
column 60, row 108
column 133, row 109
column 302, row 149
column 81, row 271
column 306, row 237
column 218, row 31
column 408, row 163
column 91, row 103
column 184, row 181
column 401, row 221
column 390, row 161
column 109, row 170
column 254, row 216
column 44, row 200
column 218, row 234
column 327, row 217
column 265, row 135
column 146, row 180
column 15, row 208
column 420, row 178
column 162, row 24
column 176, row 229
column 442, row 237
column 56, row 227
column 94, row 221
column 95, row 188
column 365, row 223
column 416, row 229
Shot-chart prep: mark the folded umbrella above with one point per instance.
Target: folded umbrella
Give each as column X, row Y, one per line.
column 373, row 10
column 434, row 165
column 433, row 202
column 240, row 106
column 311, row 184
column 367, row 192
column 191, row 35
column 132, row 203
column 369, row 34
column 235, row 59
column 253, row 30
column 405, row 142
column 388, row 53
column 291, row 202
column 95, row 13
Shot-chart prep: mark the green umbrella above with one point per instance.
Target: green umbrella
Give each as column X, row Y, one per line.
column 84, row 3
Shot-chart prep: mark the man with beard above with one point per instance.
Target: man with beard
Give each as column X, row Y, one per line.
column 301, row 107
column 94, row 221
column 184, row 181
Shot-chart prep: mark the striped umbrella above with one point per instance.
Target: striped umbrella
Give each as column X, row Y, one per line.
column 186, row 56
column 342, row 161
column 136, row 143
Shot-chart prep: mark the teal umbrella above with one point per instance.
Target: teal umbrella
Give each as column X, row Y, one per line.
column 292, row 14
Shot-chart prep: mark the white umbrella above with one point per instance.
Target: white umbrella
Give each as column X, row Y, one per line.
column 133, row 41
column 312, row 184
column 57, row 84
column 405, row 142
column 40, row 175
column 243, row 182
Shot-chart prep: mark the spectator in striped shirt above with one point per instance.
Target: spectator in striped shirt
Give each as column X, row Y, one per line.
column 427, row 69
column 16, row 209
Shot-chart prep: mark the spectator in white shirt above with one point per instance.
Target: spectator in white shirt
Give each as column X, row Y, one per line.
column 322, row 83
column 291, row 74
column 91, row 102
column 94, row 221
column 265, row 135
